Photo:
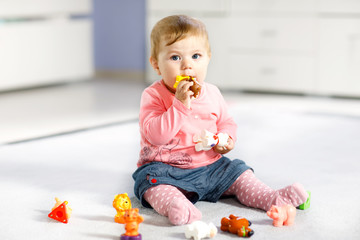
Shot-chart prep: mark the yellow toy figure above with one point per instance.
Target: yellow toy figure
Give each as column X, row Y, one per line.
column 195, row 88
column 131, row 219
column 121, row 203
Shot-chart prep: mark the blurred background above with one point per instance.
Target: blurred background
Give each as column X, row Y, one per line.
column 70, row 65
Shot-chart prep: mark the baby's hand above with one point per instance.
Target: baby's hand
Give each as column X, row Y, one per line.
column 184, row 94
column 225, row 149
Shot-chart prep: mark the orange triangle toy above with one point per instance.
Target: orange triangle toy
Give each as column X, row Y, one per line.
column 60, row 213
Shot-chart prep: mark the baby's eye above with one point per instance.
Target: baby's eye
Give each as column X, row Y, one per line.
column 196, row 56
column 175, row 58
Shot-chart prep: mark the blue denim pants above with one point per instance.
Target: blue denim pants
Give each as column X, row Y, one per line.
column 208, row 182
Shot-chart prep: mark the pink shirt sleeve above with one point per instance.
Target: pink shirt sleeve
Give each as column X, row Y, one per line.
column 160, row 125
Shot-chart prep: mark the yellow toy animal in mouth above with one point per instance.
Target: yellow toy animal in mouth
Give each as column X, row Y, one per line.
column 195, row 88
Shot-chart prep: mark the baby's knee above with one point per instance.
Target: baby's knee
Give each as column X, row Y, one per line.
column 182, row 212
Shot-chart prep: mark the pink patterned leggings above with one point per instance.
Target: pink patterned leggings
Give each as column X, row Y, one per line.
column 172, row 202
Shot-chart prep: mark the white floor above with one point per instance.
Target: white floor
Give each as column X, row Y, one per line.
column 37, row 113
column 285, row 139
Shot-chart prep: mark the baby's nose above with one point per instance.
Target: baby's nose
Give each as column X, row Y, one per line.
column 186, row 64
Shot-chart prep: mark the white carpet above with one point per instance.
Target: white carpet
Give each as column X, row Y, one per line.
column 87, row 169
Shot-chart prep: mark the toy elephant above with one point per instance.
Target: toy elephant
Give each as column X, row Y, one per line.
column 199, row 230
column 284, row 215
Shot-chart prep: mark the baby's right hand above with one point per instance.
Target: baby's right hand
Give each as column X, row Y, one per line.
column 184, row 94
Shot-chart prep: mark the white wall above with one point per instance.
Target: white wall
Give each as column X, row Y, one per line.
column 294, row 46
column 41, row 42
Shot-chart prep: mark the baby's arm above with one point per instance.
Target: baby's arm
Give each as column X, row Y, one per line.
column 158, row 124
column 225, row 124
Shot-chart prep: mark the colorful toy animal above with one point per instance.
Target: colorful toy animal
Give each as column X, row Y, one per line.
column 195, row 88
column 131, row 219
column 284, row 215
column 207, row 140
column 237, row 225
column 121, row 203
column 199, row 230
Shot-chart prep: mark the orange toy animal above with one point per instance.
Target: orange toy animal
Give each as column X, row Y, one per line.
column 131, row 219
column 121, row 203
column 236, row 225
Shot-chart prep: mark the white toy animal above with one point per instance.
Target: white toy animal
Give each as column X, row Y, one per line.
column 199, row 230
column 207, row 140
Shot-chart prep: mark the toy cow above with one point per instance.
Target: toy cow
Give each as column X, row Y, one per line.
column 284, row 215
column 207, row 140
column 236, row 225
column 199, row 230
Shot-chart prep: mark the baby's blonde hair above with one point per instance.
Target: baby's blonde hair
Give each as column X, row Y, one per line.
column 175, row 28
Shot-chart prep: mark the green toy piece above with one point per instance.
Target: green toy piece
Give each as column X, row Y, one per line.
column 306, row 204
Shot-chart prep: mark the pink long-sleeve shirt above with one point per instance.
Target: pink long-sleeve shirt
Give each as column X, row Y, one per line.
column 167, row 127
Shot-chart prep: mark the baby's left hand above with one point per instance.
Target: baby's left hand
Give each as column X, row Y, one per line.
column 225, row 149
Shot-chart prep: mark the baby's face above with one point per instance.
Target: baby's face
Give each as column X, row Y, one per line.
column 188, row 56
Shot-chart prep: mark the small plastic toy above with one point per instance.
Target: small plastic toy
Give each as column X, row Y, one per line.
column 199, row 230
column 236, row 225
column 60, row 212
column 284, row 215
column 207, row 140
column 306, row 204
column 131, row 219
column 195, row 88
column 121, row 203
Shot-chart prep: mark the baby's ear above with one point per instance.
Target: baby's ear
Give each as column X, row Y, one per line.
column 155, row 65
